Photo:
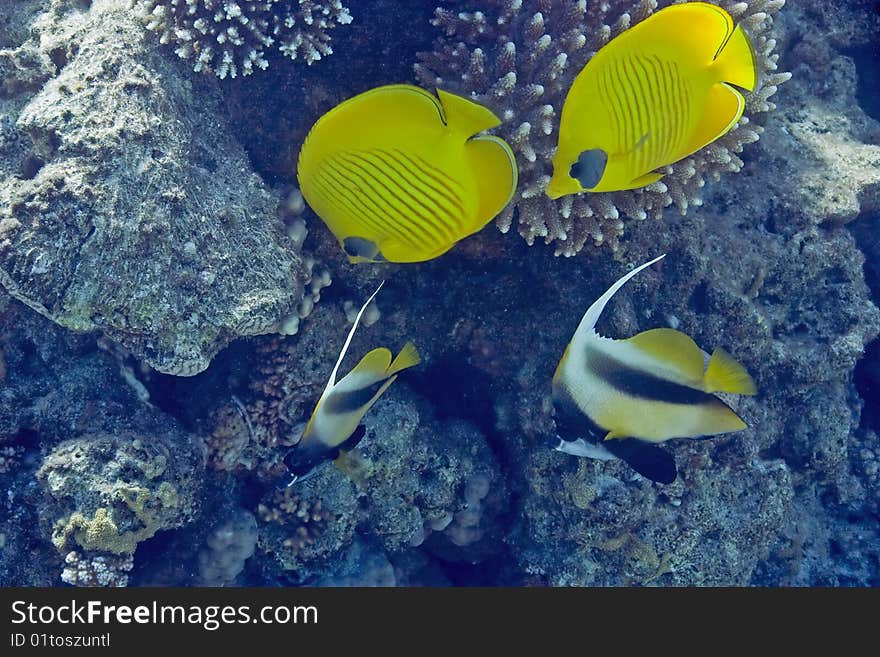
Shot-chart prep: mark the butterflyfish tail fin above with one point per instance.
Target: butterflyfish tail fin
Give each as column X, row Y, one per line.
column 408, row 357
column 492, row 160
column 466, row 116
column 724, row 108
column 736, row 62
column 332, row 381
column 588, row 322
column 724, row 374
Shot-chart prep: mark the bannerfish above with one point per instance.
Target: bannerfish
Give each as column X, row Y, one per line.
column 661, row 90
column 629, row 395
column 400, row 175
column 334, row 427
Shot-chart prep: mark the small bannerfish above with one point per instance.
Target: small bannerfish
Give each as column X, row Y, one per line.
column 399, row 175
column 658, row 92
column 334, row 427
column 632, row 394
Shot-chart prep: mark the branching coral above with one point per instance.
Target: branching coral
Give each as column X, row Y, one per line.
column 519, row 57
column 304, row 520
column 97, row 570
column 230, row 37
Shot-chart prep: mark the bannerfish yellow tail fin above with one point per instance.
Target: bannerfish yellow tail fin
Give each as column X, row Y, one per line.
column 495, row 165
column 466, row 116
column 724, row 374
column 408, row 357
column 375, row 364
column 675, row 350
column 724, row 108
column 588, row 321
column 735, row 62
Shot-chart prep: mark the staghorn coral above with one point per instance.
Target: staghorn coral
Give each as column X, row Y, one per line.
column 228, row 37
column 97, row 570
column 520, row 58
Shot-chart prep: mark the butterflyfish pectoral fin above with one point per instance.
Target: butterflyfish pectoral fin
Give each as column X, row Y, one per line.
column 724, row 374
column 361, row 249
column 466, row 116
column 643, row 181
column 613, row 435
column 674, row 350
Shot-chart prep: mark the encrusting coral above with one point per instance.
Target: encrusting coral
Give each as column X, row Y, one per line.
column 519, row 57
column 229, row 37
column 98, row 570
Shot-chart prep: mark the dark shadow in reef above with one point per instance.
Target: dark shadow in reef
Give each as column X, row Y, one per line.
column 867, row 372
column 868, row 93
column 273, row 110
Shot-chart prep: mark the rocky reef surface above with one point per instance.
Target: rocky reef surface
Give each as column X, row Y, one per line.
column 150, row 228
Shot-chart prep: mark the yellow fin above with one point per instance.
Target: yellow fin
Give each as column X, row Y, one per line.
column 735, row 62
column 612, row 435
column 724, row 374
column 494, row 164
column 724, row 108
column 644, row 180
column 675, row 349
column 466, row 116
column 375, row 362
column 408, row 357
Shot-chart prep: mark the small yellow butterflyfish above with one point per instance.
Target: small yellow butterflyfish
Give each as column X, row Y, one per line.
column 400, row 175
column 653, row 95
column 646, row 389
column 334, row 426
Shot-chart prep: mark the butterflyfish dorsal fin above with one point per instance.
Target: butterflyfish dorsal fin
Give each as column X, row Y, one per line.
column 494, row 163
column 674, row 350
column 465, row 116
column 587, row 325
column 724, row 374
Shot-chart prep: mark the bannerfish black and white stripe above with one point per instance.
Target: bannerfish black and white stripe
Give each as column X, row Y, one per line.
column 334, row 427
column 645, row 389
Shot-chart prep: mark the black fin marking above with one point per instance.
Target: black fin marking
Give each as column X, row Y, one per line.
column 571, row 422
column 589, row 168
column 648, row 460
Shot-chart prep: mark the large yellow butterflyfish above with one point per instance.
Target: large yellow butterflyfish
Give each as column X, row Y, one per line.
column 632, row 394
column 334, row 427
column 401, row 175
column 658, row 92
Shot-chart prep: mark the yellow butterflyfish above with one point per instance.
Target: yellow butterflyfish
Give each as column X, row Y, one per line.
column 655, row 94
column 334, row 427
column 400, row 175
column 631, row 394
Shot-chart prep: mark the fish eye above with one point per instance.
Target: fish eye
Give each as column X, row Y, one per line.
column 589, row 167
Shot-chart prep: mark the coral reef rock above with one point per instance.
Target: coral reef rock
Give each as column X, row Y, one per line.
column 519, row 57
column 125, row 206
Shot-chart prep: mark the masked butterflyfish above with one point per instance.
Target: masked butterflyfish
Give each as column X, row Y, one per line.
column 400, row 175
column 659, row 91
column 629, row 395
column 334, row 427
